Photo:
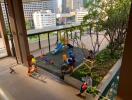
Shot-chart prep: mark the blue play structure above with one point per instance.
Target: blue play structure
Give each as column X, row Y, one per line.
column 58, row 48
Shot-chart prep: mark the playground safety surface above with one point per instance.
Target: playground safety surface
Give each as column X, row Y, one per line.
column 58, row 61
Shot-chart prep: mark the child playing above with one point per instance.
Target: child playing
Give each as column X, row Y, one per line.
column 83, row 88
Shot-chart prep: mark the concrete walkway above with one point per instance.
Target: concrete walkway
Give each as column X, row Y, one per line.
column 3, row 51
column 21, row 87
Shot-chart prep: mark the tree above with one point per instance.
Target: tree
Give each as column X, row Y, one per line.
column 29, row 24
column 110, row 17
column 93, row 21
column 116, row 24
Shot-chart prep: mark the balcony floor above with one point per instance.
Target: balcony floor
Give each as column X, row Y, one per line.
column 19, row 86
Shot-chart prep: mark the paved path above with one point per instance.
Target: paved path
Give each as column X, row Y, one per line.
column 21, row 87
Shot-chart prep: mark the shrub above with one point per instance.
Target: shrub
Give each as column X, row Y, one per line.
column 104, row 62
column 93, row 91
column 81, row 72
column 103, row 56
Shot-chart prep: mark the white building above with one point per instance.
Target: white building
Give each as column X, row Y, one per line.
column 77, row 4
column 80, row 13
column 44, row 18
column 4, row 14
column 67, row 6
column 30, row 7
column 71, row 5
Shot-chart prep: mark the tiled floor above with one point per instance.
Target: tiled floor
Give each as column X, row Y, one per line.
column 19, row 86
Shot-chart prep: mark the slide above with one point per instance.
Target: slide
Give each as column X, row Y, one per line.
column 59, row 47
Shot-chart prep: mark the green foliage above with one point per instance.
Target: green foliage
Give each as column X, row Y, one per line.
column 104, row 62
column 96, row 78
column 116, row 23
column 29, row 24
column 116, row 54
column 110, row 16
column 103, row 57
column 83, row 71
column 93, row 20
column 33, row 37
column 93, row 90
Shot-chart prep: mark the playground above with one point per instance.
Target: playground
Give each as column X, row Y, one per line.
column 68, row 53
column 54, row 60
column 57, row 60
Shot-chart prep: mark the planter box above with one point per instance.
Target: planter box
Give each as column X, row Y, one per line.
column 106, row 80
column 72, row 81
column 103, row 84
column 91, row 97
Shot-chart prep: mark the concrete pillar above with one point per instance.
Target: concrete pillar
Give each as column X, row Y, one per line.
column 125, row 82
column 18, row 28
column 3, row 33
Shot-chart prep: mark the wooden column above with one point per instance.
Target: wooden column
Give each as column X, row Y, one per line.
column 3, row 33
column 125, row 82
column 18, row 28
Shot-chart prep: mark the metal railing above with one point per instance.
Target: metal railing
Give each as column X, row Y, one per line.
column 50, row 40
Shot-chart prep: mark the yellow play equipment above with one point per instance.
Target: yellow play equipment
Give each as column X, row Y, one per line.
column 65, row 58
column 33, row 61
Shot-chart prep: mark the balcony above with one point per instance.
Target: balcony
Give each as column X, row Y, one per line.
column 42, row 42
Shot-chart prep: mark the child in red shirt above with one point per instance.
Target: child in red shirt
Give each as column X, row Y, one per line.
column 83, row 88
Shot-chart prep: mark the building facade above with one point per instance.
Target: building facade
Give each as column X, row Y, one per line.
column 4, row 14
column 44, row 18
column 71, row 5
column 30, row 7
column 67, row 6
column 77, row 4
column 80, row 13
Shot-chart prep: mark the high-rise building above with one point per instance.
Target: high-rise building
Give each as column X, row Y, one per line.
column 30, row 7
column 80, row 13
column 59, row 6
column 77, row 4
column 4, row 14
column 70, row 5
column 67, row 6
column 44, row 18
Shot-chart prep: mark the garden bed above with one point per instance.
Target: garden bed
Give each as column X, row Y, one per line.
column 104, row 62
column 105, row 68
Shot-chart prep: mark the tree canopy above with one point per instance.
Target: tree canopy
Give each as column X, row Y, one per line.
column 109, row 16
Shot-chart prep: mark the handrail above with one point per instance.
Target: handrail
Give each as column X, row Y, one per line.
column 51, row 29
column 48, row 30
